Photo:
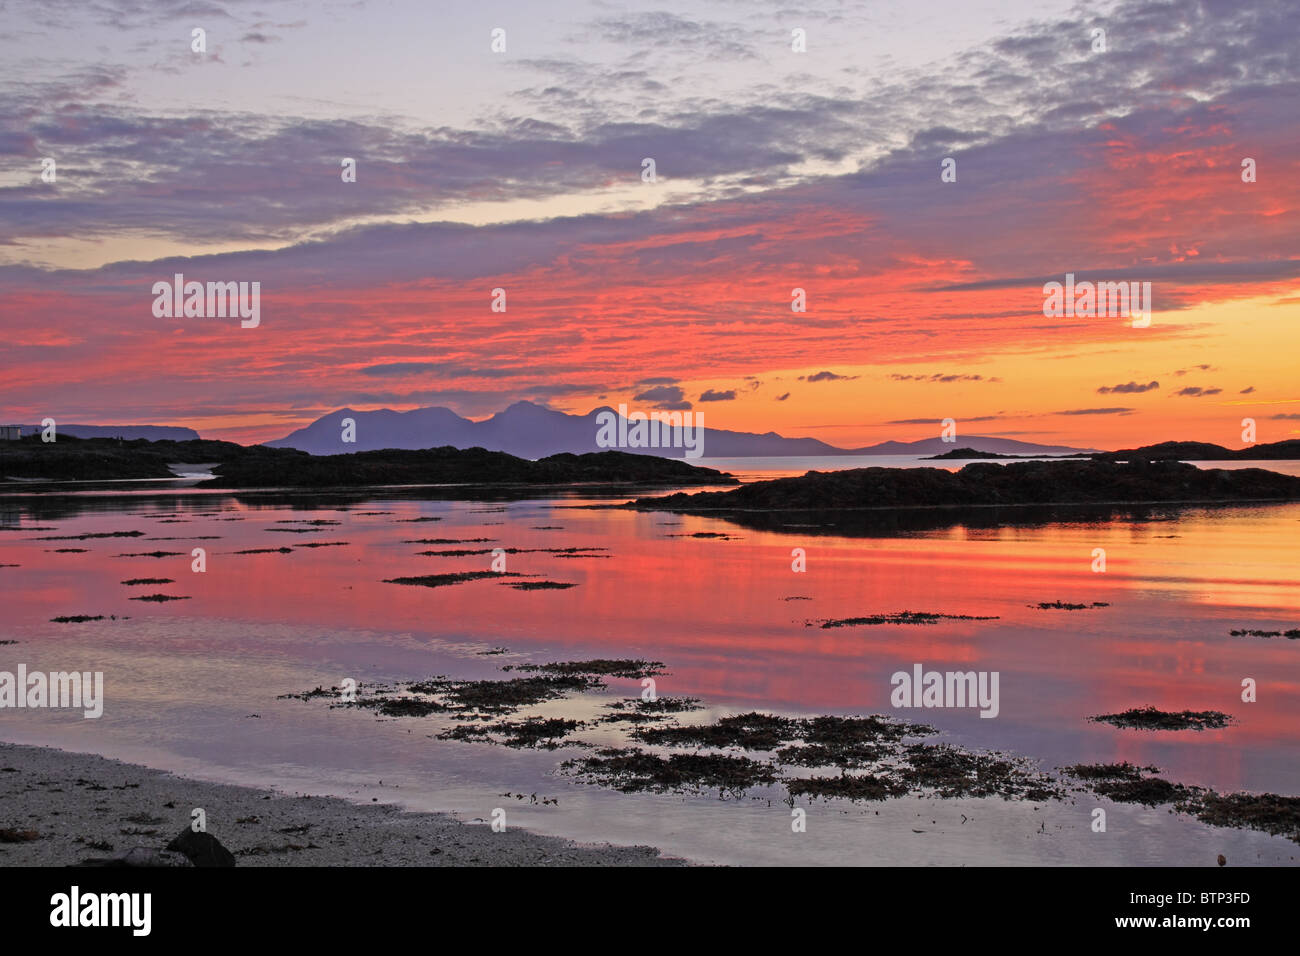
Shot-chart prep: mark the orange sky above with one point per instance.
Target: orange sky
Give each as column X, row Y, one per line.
column 924, row 297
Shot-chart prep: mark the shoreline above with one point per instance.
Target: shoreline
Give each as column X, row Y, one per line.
column 84, row 806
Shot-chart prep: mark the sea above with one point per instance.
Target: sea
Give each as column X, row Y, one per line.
column 294, row 594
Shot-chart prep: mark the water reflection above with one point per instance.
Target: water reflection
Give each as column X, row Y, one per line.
column 735, row 624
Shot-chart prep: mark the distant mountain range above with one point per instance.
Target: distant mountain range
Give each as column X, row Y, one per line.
column 529, row 430
column 129, row 432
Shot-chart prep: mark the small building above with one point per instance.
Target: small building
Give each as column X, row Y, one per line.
column 10, row 432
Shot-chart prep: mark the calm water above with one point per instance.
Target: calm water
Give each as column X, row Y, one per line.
column 192, row 685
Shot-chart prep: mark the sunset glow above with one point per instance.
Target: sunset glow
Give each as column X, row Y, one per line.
column 924, row 297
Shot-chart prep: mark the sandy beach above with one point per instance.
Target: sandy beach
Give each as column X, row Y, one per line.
column 82, row 806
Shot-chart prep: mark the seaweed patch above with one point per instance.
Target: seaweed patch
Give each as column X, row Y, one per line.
column 446, row 580
column 900, row 617
column 1149, row 718
column 545, row 733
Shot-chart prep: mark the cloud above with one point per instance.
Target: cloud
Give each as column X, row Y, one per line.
column 449, row 369
column 666, row 397
column 782, row 398
column 1095, row 411
column 1019, row 104
column 711, row 396
column 669, row 31
column 942, row 377
column 826, row 377
column 223, row 177
column 1128, row 388
column 556, row 390
column 1218, row 273
column 1196, row 391
column 1247, row 390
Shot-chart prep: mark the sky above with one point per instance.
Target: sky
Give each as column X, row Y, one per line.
column 1115, row 156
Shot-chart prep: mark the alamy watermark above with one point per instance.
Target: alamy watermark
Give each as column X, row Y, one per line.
column 922, row 688
column 683, row 430
column 1104, row 299
column 64, row 689
column 217, row 300
column 76, row 909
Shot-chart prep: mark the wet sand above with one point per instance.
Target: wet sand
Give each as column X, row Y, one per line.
column 81, row 804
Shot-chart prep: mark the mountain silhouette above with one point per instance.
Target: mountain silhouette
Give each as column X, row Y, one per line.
column 126, row 432
column 529, row 430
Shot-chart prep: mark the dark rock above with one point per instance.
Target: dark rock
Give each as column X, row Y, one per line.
column 239, row 466
column 980, row 484
column 262, row 467
column 202, row 849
